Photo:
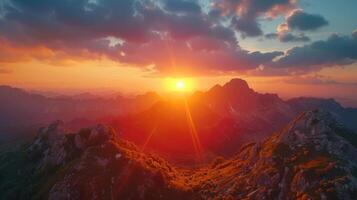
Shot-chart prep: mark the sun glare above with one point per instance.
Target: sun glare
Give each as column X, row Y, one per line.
column 180, row 85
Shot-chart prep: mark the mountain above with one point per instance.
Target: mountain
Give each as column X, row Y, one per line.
column 224, row 118
column 20, row 107
column 237, row 100
column 347, row 116
column 247, row 115
column 313, row 157
column 20, row 110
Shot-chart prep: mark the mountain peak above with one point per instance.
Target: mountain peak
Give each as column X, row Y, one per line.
column 58, row 146
column 320, row 131
column 307, row 126
column 237, row 84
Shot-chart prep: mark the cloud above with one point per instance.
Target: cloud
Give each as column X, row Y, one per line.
column 247, row 26
column 300, row 20
column 297, row 20
column 354, row 34
column 246, row 12
column 316, row 80
column 288, row 37
column 165, row 37
column 204, row 55
column 184, row 6
column 39, row 22
column 175, row 36
column 271, row 36
column 336, row 50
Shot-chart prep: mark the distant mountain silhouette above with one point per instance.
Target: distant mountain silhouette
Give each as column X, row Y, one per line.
column 19, row 108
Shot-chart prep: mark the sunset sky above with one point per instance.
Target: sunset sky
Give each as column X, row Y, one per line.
column 289, row 47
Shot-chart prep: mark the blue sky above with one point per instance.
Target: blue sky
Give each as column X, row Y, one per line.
column 341, row 15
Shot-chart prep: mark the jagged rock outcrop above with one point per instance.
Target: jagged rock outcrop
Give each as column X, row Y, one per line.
column 312, row 158
column 115, row 169
column 50, row 145
column 96, row 164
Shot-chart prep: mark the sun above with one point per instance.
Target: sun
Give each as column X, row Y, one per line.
column 180, row 85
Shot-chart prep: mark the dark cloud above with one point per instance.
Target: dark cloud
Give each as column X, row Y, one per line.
column 168, row 36
column 248, row 27
column 182, row 6
column 288, row 37
column 173, row 36
column 37, row 21
column 297, row 20
column 336, row 50
column 303, row 21
column 354, row 34
column 129, row 20
column 246, row 12
column 215, row 14
column 271, row 35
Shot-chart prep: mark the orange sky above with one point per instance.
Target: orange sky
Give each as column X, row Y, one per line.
column 106, row 76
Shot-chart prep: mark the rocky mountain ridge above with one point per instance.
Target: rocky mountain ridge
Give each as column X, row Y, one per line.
column 313, row 157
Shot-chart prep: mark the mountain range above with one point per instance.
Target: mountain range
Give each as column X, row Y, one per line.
column 312, row 157
column 224, row 118
column 21, row 111
column 229, row 142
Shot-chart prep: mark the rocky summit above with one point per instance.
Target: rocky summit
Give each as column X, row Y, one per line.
column 313, row 157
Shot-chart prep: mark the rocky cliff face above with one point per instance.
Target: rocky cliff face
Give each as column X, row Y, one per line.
column 96, row 164
column 309, row 159
column 313, row 157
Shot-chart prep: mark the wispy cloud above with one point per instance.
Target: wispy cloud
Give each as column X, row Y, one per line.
column 316, row 80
